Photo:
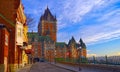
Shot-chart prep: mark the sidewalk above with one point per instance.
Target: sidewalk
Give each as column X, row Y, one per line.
column 24, row 69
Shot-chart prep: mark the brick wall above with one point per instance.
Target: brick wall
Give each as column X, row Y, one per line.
column 4, row 42
column 4, row 38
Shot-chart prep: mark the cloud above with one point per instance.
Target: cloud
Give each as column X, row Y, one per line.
column 88, row 50
column 63, row 36
column 91, row 55
column 115, row 54
column 93, row 34
column 74, row 10
column 103, row 36
column 110, row 14
column 60, row 24
column 105, row 28
column 118, row 53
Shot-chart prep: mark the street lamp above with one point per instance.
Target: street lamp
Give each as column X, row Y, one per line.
column 55, row 57
column 79, row 49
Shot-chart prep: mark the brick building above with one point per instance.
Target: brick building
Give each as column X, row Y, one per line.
column 83, row 48
column 12, row 16
column 47, row 25
column 60, row 50
column 44, row 41
column 73, row 49
column 49, row 48
column 8, row 18
column 35, row 44
column 42, row 46
column 4, row 48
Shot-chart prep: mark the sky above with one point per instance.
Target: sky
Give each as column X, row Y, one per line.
column 97, row 22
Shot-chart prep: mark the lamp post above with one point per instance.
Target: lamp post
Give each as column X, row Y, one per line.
column 79, row 49
column 55, row 57
column 106, row 58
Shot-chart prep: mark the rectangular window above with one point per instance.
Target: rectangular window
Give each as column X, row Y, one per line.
column 19, row 32
column 6, row 40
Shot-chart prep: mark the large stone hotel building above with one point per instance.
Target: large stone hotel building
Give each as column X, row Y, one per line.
column 45, row 45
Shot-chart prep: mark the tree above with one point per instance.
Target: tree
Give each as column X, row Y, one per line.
column 30, row 21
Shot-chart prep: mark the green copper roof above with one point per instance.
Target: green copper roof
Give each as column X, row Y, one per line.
column 60, row 44
column 34, row 35
column 44, row 38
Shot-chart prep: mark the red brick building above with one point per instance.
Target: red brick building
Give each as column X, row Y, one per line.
column 47, row 25
column 12, row 16
column 61, row 50
column 77, row 50
column 4, row 48
column 43, row 42
column 42, row 46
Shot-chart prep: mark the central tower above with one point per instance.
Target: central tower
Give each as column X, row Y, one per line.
column 47, row 25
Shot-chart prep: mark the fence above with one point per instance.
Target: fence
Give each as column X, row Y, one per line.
column 72, row 60
column 112, row 60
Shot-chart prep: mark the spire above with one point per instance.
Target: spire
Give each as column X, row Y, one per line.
column 55, row 17
column 80, row 41
column 69, row 42
column 48, row 15
column 47, row 6
column 47, row 9
column 73, row 40
column 82, row 44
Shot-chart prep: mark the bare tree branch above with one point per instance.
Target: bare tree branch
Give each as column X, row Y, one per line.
column 30, row 21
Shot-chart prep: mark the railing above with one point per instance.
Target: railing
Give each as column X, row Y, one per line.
column 112, row 60
column 71, row 60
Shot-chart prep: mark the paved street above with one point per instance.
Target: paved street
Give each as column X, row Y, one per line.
column 46, row 67
column 85, row 69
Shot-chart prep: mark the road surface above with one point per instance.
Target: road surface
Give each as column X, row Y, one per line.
column 47, row 67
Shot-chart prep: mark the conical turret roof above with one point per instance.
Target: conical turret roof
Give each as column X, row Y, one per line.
column 48, row 15
column 82, row 44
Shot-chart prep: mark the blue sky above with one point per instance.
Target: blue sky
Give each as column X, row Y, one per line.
column 97, row 22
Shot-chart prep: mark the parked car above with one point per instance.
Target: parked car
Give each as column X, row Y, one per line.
column 36, row 60
column 42, row 60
